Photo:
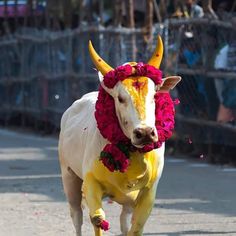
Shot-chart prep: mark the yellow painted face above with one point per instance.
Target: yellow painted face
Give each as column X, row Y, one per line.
column 137, row 87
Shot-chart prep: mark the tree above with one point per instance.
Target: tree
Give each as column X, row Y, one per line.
column 207, row 7
column 118, row 12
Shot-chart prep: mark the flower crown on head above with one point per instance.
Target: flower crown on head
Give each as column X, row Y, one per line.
column 138, row 69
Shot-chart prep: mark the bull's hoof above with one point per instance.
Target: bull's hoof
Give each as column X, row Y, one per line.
column 99, row 222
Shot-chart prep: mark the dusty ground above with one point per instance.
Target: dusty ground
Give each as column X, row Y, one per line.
column 193, row 198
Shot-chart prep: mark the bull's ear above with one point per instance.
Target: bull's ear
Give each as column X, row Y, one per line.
column 101, row 78
column 168, row 83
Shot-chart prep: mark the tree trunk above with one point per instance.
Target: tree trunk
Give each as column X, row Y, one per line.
column 81, row 12
column 118, row 12
column 16, row 13
column 131, row 24
column 101, row 9
column 157, row 11
column 5, row 22
column 233, row 6
column 130, row 13
column 148, row 20
column 67, row 13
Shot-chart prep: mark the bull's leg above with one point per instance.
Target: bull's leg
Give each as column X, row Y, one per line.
column 97, row 231
column 142, row 211
column 93, row 194
column 73, row 190
column 125, row 218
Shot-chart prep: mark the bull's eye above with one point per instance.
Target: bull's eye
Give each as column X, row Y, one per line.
column 121, row 99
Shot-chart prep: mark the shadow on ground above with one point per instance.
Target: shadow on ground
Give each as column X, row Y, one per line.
column 195, row 186
column 192, row 232
column 29, row 164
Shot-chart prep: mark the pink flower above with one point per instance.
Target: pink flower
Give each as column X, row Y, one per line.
column 190, row 141
column 119, row 159
column 149, row 71
column 154, row 74
column 122, row 72
column 106, row 162
column 124, row 165
column 176, row 101
column 107, row 120
column 140, row 69
column 148, row 147
column 104, row 225
column 109, row 79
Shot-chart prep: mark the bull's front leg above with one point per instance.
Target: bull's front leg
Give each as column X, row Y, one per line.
column 142, row 210
column 93, row 194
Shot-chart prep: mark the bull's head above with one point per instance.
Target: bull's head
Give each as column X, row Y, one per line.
column 134, row 98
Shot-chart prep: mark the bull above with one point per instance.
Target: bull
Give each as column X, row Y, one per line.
column 80, row 144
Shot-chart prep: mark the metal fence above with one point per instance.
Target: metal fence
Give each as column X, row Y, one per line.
column 43, row 72
column 199, row 51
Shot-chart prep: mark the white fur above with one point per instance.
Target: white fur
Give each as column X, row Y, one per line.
column 80, row 139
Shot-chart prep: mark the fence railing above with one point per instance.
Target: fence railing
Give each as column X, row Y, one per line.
column 43, row 72
column 194, row 51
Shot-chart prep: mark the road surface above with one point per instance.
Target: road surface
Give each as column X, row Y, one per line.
column 193, row 198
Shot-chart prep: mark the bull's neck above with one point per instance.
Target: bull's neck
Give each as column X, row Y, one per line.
column 138, row 164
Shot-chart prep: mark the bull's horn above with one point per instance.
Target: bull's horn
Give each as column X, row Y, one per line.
column 100, row 64
column 158, row 54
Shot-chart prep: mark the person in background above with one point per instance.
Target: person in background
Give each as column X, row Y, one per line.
column 193, row 10
column 188, row 9
column 221, row 11
column 224, row 114
column 226, row 88
column 229, row 90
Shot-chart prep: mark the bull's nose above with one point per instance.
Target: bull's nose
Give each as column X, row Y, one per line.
column 145, row 135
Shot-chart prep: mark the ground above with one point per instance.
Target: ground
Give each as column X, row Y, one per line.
column 193, row 198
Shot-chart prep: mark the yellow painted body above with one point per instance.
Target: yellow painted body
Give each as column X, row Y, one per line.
column 124, row 187
column 135, row 188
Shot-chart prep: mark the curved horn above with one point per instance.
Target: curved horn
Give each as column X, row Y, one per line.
column 100, row 64
column 158, row 54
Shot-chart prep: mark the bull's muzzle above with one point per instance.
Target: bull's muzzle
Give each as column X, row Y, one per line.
column 144, row 135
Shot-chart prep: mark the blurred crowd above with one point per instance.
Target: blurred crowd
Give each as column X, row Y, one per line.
column 216, row 49
column 204, row 46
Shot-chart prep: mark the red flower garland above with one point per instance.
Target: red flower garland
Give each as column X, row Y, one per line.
column 122, row 72
column 115, row 156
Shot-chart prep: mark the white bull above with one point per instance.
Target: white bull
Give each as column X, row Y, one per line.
column 81, row 143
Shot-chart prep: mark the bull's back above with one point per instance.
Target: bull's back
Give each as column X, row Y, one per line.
column 80, row 141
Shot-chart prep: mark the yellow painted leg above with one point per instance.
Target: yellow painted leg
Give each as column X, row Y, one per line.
column 142, row 211
column 98, row 231
column 93, row 195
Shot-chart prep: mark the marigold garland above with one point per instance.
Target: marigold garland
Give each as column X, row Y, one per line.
column 115, row 156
